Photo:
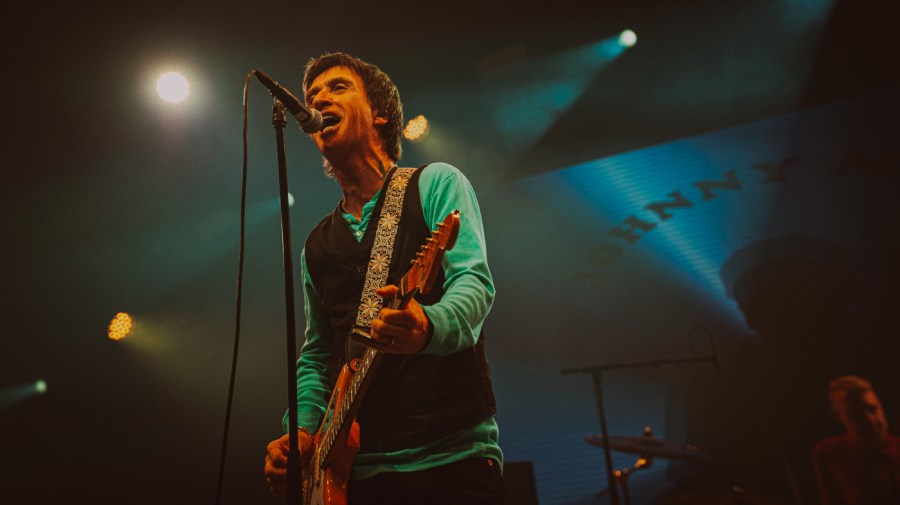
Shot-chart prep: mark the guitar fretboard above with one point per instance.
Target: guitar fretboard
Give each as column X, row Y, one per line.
column 339, row 415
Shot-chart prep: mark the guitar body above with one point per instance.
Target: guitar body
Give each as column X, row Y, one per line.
column 331, row 487
column 337, row 475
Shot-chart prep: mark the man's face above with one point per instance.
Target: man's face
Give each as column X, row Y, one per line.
column 863, row 417
column 348, row 119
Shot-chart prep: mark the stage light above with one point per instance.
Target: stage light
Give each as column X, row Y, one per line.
column 627, row 38
column 120, row 326
column 416, row 129
column 534, row 96
column 15, row 394
column 291, row 200
column 172, row 87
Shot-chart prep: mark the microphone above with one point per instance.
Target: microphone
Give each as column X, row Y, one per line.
column 310, row 119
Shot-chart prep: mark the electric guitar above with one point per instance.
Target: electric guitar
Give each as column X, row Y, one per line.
column 336, row 442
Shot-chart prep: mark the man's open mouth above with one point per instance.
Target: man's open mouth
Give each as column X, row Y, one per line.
column 329, row 120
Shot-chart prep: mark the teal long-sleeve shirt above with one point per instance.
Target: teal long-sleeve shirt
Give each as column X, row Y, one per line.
column 456, row 320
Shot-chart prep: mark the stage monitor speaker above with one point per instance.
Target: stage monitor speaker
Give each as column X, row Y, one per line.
column 519, row 479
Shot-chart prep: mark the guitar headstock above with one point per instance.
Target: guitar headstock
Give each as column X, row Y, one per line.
column 425, row 265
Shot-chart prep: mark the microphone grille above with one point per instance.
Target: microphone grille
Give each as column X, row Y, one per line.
column 313, row 123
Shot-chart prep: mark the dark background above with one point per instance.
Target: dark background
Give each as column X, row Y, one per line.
column 115, row 201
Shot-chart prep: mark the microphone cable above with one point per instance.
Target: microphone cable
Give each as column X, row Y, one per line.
column 237, row 319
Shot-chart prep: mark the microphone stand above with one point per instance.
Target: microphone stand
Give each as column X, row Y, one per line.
column 597, row 375
column 279, row 119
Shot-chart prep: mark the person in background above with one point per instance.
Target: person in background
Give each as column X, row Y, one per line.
column 862, row 465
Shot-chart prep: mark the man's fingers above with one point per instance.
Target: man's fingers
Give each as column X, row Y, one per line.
column 276, row 455
column 276, row 463
column 388, row 291
column 276, row 476
column 276, row 460
column 397, row 319
column 277, row 487
column 387, row 332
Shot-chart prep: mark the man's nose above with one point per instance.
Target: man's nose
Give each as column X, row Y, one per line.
column 320, row 100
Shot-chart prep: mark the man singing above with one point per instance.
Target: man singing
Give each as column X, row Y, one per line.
column 427, row 434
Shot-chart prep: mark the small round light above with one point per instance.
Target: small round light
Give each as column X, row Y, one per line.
column 416, row 128
column 627, row 38
column 172, row 87
column 40, row 386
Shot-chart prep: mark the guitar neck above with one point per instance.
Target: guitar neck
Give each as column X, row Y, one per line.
column 405, row 296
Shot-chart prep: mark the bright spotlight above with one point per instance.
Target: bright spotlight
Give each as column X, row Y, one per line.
column 40, row 386
column 416, row 128
column 627, row 38
column 172, row 87
column 291, row 200
column 120, row 326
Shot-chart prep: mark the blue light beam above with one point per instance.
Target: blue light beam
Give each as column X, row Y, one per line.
column 546, row 89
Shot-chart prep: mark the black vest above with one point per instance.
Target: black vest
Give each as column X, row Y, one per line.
column 413, row 399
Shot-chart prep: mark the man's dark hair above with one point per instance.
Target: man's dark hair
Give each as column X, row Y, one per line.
column 381, row 91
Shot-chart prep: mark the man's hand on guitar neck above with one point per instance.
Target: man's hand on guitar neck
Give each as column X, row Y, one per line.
column 276, row 459
column 405, row 331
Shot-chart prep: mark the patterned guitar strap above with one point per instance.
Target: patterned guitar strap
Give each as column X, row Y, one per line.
column 380, row 259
